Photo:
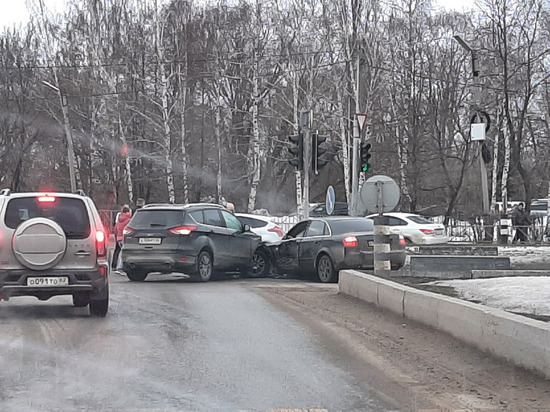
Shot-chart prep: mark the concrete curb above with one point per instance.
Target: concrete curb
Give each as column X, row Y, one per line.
column 520, row 340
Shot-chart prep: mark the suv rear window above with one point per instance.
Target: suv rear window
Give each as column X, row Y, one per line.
column 150, row 218
column 69, row 213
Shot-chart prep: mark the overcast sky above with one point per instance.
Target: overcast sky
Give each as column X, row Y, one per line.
column 15, row 11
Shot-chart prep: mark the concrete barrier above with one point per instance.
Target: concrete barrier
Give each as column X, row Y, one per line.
column 454, row 267
column 450, row 249
column 520, row 340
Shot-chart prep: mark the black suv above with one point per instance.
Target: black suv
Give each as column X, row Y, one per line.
column 53, row 244
column 196, row 239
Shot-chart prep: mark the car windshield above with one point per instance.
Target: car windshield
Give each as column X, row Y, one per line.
column 151, row 218
column 69, row 213
column 340, row 227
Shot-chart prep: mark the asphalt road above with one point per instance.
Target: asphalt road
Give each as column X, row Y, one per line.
column 244, row 345
column 169, row 344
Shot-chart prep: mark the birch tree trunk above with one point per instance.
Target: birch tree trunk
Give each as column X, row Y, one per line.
column 218, row 136
column 495, row 162
column 127, row 167
column 254, row 166
column 345, row 146
column 165, row 109
column 183, row 131
column 506, row 168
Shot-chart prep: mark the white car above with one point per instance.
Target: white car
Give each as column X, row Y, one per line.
column 263, row 226
column 416, row 229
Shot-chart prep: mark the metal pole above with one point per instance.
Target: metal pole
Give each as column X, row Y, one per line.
column 354, row 170
column 356, row 140
column 382, row 246
column 70, row 148
column 68, row 132
column 484, row 184
column 307, row 159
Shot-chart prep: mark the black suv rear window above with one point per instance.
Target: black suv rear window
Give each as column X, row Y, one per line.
column 150, row 218
column 69, row 213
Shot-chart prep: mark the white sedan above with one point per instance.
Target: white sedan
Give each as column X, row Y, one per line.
column 263, row 226
column 416, row 229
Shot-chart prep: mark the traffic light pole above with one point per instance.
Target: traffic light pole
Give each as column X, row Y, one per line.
column 354, row 169
column 307, row 160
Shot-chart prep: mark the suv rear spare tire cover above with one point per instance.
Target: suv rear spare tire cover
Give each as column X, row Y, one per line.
column 39, row 243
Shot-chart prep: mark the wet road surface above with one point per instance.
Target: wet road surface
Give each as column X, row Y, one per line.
column 168, row 344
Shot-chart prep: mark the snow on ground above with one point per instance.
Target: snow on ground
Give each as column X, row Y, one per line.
column 519, row 294
column 529, row 295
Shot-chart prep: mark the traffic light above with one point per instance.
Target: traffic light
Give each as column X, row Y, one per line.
column 317, row 151
column 365, row 156
column 297, row 150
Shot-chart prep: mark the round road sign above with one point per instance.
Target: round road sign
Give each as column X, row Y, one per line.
column 379, row 194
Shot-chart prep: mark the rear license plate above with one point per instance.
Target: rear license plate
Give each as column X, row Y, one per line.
column 149, row 240
column 48, row 281
column 438, row 231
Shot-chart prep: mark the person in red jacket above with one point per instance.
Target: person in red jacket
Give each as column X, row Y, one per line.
column 123, row 219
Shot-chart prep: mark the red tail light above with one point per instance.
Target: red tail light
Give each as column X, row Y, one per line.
column 350, row 241
column 183, row 230
column 427, row 231
column 402, row 241
column 127, row 231
column 276, row 230
column 100, row 243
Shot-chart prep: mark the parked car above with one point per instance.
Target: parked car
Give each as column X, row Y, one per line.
column 416, row 229
column 324, row 246
column 539, row 208
column 53, row 244
column 263, row 226
column 320, row 209
column 196, row 239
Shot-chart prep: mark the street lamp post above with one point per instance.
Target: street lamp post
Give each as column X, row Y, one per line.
column 483, row 168
column 68, row 133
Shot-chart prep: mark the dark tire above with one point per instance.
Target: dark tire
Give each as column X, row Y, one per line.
column 100, row 307
column 325, row 270
column 136, row 275
column 204, row 267
column 260, row 265
column 81, row 300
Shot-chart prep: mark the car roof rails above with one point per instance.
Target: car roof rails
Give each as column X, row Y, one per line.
column 5, row 192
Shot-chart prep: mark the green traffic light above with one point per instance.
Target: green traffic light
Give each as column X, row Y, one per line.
column 365, row 167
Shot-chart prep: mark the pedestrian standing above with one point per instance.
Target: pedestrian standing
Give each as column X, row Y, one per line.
column 140, row 202
column 123, row 220
column 521, row 221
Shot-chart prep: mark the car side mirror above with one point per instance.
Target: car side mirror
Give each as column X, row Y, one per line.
column 246, row 228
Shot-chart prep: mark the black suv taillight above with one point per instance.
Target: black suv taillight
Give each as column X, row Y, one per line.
column 183, row 230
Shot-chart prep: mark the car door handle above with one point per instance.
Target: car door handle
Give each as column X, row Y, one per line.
column 82, row 253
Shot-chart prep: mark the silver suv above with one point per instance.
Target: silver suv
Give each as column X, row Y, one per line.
column 53, row 244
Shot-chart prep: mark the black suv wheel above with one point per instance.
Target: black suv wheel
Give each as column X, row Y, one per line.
column 136, row 275
column 260, row 265
column 204, row 267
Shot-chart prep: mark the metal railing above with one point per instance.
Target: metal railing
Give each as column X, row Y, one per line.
column 488, row 230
